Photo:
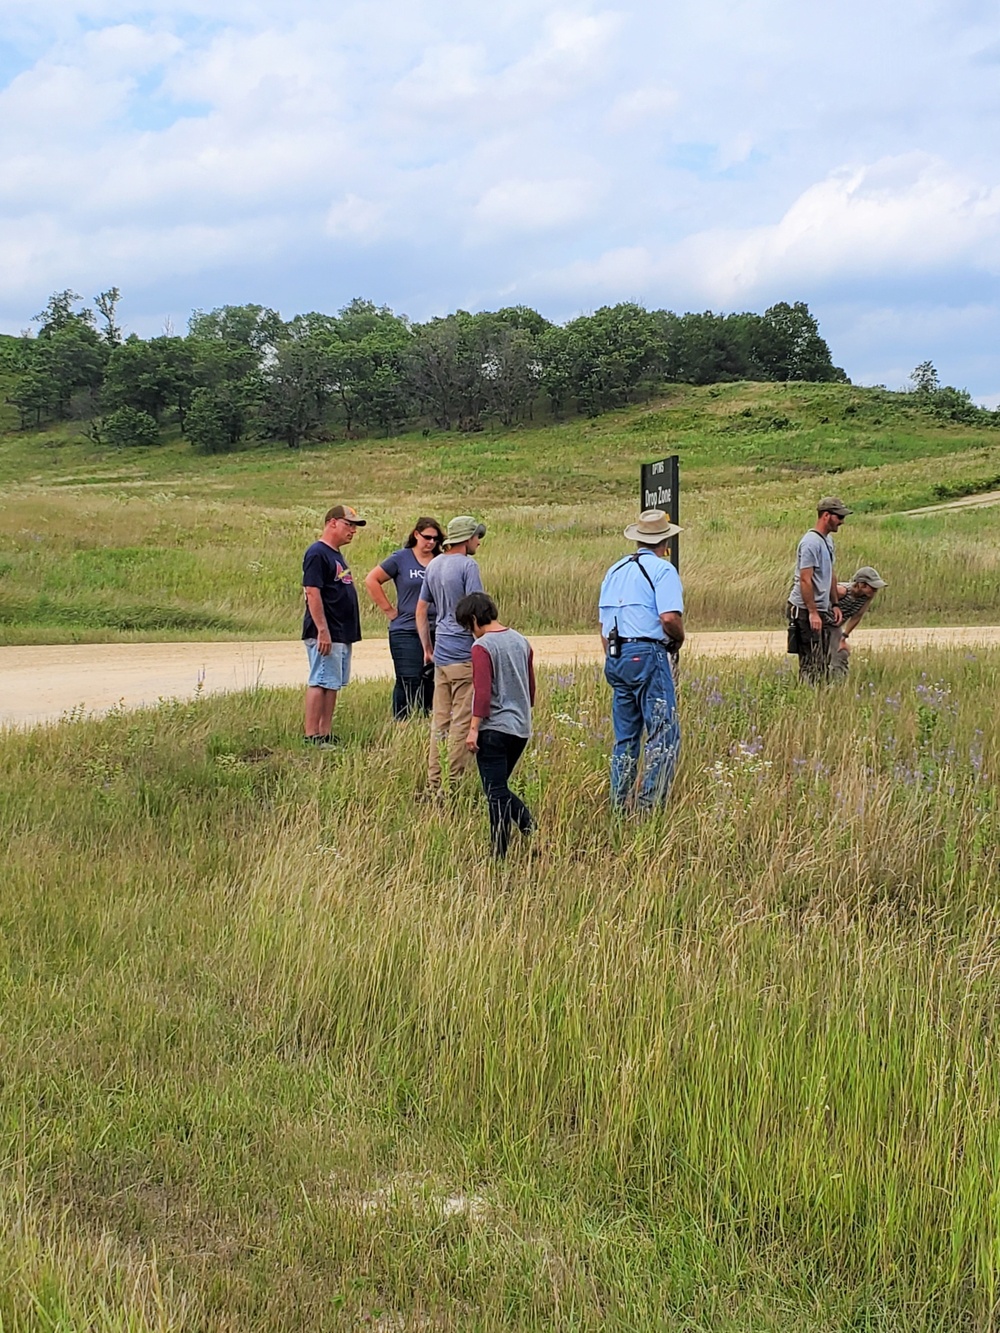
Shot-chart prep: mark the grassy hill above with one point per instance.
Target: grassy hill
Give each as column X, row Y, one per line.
column 98, row 544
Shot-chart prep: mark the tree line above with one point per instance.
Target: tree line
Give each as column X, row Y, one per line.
column 243, row 372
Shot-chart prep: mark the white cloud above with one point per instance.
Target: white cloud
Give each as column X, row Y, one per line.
column 355, row 219
column 894, row 218
column 450, row 73
column 460, row 77
column 532, row 205
column 642, row 104
column 127, row 48
column 265, row 75
column 574, row 47
column 57, row 102
column 45, row 257
column 734, row 150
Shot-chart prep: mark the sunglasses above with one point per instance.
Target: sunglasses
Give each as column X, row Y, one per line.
column 430, row 536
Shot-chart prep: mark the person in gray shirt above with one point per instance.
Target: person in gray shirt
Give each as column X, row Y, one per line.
column 406, row 568
column 503, row 677
column 812, row 602
column 449, row 577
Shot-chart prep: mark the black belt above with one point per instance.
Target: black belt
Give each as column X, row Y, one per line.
column 661, row 642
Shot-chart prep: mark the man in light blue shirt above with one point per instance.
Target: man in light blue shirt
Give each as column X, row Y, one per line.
column 642, row 620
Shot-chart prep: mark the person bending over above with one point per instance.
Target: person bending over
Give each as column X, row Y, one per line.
column 855, row 599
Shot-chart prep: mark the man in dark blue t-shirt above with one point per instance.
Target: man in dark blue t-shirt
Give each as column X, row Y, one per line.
column 332, row 622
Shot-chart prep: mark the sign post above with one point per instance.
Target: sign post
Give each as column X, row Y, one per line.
column 660, row 488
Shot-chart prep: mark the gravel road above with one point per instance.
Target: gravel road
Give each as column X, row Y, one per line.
column 42, row 684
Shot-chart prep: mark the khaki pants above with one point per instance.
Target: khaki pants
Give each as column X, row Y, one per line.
column 450, row 718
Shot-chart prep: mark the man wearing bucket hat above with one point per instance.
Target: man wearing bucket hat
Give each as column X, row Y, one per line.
column 450, row 576
column 642, row 620
column 855, row 599
column 813, row 611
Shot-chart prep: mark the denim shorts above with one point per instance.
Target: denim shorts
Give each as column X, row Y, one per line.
column 333, row 671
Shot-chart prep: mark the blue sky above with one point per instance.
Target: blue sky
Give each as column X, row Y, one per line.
column 429, row 154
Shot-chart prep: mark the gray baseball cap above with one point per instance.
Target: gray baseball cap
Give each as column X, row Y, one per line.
column 870, row 576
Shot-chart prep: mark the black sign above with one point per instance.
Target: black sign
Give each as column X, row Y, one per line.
column 660, row 488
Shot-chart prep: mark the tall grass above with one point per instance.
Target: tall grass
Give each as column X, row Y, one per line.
column 287, row 1040
column 122, row 572
column 160, row 543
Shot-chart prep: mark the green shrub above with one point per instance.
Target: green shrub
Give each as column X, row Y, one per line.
column 127, row 426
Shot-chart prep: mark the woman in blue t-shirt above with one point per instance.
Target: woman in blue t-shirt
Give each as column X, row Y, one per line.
column 414, row 688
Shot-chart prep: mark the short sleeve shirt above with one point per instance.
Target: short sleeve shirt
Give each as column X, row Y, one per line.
column 628, row 600
column 407, row 573
column 446, row 582
column 816, row 553
column 326, row 569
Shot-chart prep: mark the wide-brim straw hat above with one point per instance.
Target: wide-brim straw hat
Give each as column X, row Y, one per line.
column 652, row 527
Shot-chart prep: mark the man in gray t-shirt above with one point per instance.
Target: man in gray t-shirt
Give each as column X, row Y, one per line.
column 450, row 576
column 815, row 555
column 812, row 601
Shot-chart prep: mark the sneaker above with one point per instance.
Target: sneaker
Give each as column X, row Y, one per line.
column 321, row 742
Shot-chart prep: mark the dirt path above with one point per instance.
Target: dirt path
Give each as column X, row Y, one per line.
column 42, row 684
column 982, row 501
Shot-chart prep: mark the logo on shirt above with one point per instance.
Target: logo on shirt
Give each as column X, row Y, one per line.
column 344, row 575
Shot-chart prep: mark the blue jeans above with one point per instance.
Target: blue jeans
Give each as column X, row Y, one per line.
column 413, row 691
column 642, row 699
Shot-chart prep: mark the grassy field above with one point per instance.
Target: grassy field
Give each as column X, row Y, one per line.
column 161, row 543
column 282, row 1051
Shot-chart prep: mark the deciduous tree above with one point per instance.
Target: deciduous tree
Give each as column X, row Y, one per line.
column 790, row 346
column 59, row 313
column 924, row 378
column 252, row 326
column 219, row 418
column 107, row 308
column 138, row 376
column 296, row 388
